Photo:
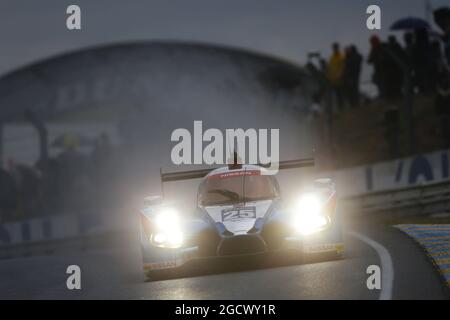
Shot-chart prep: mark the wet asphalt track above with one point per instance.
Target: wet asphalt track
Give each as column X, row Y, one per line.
column 115, row 273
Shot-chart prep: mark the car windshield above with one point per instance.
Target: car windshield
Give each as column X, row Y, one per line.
column 236, row 187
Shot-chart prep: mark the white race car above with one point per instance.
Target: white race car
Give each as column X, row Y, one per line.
column 239, row 211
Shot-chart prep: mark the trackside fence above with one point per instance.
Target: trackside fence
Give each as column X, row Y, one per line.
column 418, row 200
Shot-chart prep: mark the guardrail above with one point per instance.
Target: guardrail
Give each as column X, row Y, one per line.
column 423, row 199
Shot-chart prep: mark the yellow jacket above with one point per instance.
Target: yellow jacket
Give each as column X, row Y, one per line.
column 335, row 68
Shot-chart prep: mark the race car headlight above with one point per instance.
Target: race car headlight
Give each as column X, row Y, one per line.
column 309, row 217
column 168, row 230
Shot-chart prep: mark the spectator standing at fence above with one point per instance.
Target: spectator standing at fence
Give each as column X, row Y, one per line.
column 442, row 19
column 395, row 62
column 8, row 196
column 397, row 49
column 27, row 182
column 72, row 173
column 408, row 39
column 316, row 67
column 352, row 74
column 422, row 61
column 101, row 161
column 438, row 63
column 443, row 106
column 376, row 59
column 335, row 72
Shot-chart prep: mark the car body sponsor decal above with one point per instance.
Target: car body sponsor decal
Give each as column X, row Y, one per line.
column 233, row 174
column 160, row 265
column 338, row 247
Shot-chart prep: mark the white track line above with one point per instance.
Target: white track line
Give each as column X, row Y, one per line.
column 387, row 268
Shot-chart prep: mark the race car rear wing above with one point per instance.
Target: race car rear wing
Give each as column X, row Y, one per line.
column 197, row 174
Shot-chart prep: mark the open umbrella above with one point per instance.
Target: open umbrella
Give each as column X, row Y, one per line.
column 410, row 23
column 441, row 17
